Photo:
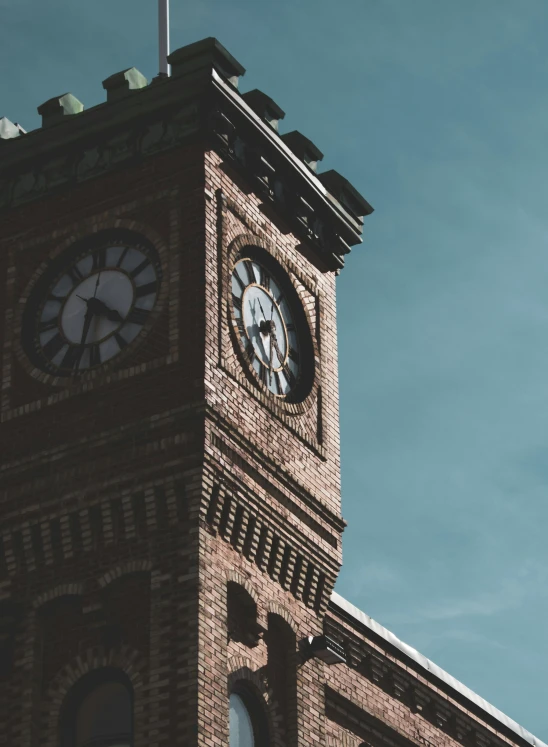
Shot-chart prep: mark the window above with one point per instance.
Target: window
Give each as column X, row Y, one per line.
column 98, row 711
column 247, row 723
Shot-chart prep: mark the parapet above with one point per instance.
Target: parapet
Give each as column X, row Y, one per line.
column 201, row 97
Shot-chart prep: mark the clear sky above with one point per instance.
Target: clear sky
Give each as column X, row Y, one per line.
column 437, row 111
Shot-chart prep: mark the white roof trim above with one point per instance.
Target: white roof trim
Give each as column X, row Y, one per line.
column 434, row 669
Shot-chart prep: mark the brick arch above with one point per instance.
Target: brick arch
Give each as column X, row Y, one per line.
column 124, row 658
column 274, row 608
column 62, row 590
column 241, row 670
column 125, row 569
column 235, row 577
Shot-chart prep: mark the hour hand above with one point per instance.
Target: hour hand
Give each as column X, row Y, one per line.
column 274, row 344
column 114, row 316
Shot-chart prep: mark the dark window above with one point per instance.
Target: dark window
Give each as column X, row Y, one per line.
column 98, row 711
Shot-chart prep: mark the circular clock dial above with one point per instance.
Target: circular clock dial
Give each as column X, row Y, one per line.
column 93, row 307
column 265, row 324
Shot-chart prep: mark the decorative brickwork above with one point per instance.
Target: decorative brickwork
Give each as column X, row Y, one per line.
column 165, row 515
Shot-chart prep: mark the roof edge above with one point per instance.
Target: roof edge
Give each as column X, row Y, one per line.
column 433, row 670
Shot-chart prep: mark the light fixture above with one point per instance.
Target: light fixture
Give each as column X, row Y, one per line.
column 324, row 648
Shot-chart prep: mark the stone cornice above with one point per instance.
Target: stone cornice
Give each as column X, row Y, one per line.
column 139, row 121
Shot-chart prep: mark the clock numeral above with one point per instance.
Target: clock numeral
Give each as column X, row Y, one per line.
column 99, row 259
column 237, row 302
column 265, row 278
column 249, row 269
column 47, row 325
column 53, row 346
column 137, row 271
column 94, row 355
column 75, row 274
column 290, row 327
column 241, row 326
column 122, row 256
column 293, row 354
column 239, row 280
column 280, row 299
column 278, row 383
column 137, row 316
column 263, row 374
column 250, row 351
column 72, row 357
column 120, row 340
column 289, row 376
column 146, row 290
column 58, row 299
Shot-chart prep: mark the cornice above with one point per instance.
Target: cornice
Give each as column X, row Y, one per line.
column 394, row 674
column 200, row 101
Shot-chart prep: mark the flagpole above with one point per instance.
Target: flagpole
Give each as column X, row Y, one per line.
column 163, row 35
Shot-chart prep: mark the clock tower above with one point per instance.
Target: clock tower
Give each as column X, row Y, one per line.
column 170, row 478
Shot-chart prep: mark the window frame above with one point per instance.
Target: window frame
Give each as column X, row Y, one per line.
column 80, row 691
column 257, row 710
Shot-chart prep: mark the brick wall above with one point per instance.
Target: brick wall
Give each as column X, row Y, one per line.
column 167, row 518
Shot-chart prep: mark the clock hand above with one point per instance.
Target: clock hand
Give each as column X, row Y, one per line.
column 274, row 342
column 257, row 336
column 97, row 284
column 261, row 307
column 87, row 323
column 270, row 364
column 101, row 309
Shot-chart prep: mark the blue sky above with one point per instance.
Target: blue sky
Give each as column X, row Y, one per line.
column 437, row 112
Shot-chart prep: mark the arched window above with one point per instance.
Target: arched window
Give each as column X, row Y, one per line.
column 98, row 711
column 247, row 723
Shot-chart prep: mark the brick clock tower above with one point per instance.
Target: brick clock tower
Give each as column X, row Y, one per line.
column 170, row 480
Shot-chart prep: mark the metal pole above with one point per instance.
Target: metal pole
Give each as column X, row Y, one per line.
column 163, row 33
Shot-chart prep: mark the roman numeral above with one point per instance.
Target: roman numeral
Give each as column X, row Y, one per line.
column 239, row 280
column 263, row 374
column 140, row 268
column 99, row 259
column 146, row 290
column 59, row 299
column 249, row 268
column 73, row 357
column 137, row 316
column 278, row 383
column 47, row 325
column 250, row 351
column 94, row 355
column 280, row 299
column 122, row 256
column 241, row 326
column 53, row 346
column 120, row 340
column 75, row 274
column 289, row 376
column 237, row 302
column 265, row 278
column 290, row 327
column 293, row 354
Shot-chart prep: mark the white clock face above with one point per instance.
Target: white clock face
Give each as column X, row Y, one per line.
column 264, row 322
column 94, row 307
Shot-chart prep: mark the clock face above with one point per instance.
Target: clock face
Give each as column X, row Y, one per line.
column 91, row 306
column 270, row 325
